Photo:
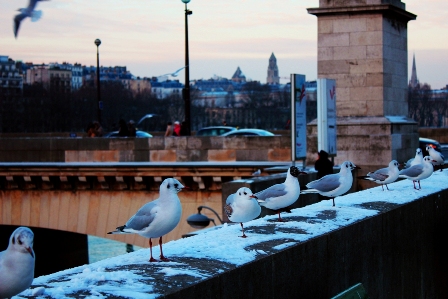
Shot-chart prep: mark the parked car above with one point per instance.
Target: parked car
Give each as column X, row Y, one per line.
column 139, row 134
column 249, row 132
column 214, row 130
column 423, row 142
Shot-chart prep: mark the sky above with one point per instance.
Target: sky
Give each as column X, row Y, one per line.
column 131, row 275
column 148, row 37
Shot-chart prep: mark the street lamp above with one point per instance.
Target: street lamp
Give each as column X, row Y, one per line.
column 186, row 90
column 100, row 104
column 200, row 221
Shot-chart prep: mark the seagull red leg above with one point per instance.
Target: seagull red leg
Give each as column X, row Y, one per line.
column 244, row 235
column 280, row 217
column 151, row 259
column 162, row 257
column 333, row 201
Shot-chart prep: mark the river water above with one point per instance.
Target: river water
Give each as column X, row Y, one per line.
column 101, row 248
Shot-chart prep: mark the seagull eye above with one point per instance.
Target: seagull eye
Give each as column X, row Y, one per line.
column 168, row 186
column 176, row 185
column 20, row 241
column 245, row 193
column 239, row 193
column 13, row 240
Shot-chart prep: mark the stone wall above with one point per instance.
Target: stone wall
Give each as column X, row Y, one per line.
column 159, row 149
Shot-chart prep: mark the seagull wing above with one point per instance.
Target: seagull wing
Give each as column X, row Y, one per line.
column 380, row 174
column 31, row 5
column 413, row 171
column 273, row 191
column 17, row 19
column 175, row 73
column 143, row 217
column 325, row 184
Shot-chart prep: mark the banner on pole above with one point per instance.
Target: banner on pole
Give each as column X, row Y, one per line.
column 298, row 116
column 326, row 116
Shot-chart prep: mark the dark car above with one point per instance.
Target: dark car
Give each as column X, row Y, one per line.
column 249, row 132
column 214, row 131
column 423, row 142
column 139, row 134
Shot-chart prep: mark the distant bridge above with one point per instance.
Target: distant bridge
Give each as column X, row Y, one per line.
column 94, row 198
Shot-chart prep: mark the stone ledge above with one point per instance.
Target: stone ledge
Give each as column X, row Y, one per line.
column 391, row 242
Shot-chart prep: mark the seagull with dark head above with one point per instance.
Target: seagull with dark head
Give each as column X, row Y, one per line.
column 17, row 263
column 30, row 12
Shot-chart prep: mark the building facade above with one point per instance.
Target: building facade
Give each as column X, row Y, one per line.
column 11, row 80
column 273, row 77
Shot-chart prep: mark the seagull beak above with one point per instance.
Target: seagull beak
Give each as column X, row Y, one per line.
column 253, row 196
column 30, row 251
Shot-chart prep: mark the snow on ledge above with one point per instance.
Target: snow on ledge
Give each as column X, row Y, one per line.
column 205, row 255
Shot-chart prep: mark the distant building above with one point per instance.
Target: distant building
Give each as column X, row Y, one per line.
column 11, row 80
column 238, row 76
column 51, row 76
column 414, row 81
column 272, row 77
column 163, row 89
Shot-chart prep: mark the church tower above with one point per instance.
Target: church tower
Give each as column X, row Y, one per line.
column 273, row 77
column 414, row 81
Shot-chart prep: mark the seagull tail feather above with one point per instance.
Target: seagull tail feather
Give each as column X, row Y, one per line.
column 119, row 230
column 36, row 15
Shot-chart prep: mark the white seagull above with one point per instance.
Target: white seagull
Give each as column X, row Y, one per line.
column 418, row 159
column 280, row 196
column 30, row 12
column 174, row 74
column 418, row 172
column 156, row 218
column 333, row 185
column 242, row 206
column 385, row 175
column 17, row 263
column 437, row 157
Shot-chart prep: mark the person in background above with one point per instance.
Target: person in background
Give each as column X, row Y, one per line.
column 132, row 129
column 176, row 130
column 90, row 130
column 123, row 130
column 323, row 165
column 184, row 129
column 98, row 130
column 169, row 129
column 224, row 123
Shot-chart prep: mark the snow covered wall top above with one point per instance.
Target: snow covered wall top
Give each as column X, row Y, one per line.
column 388, row 240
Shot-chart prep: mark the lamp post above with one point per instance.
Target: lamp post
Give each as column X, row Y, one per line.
column 186, row 90
column 100, row 104
column 200, row 221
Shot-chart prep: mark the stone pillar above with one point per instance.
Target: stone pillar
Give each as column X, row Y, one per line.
column 362, row 44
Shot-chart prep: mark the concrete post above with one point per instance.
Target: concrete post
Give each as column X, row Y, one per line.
column 362, row 44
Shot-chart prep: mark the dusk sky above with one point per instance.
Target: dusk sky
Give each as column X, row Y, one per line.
column 149, row 36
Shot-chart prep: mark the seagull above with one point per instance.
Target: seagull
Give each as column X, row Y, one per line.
column 437, row 157
column 17, row 263
column 418, row 172
column 256, row 173
column 242, row 206
column 175, row 73
column 280, row 196
column 384, row 176
column 156, row 218
column 333, row 185
column 418, row 159
column 35, row 15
